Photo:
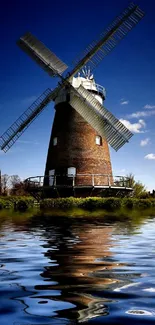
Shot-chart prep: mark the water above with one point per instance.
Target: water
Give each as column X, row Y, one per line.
column 90, row 270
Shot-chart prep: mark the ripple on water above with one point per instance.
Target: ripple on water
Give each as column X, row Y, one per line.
column 68, row 271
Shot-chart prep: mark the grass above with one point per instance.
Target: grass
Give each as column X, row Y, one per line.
column 93, row 203
column 89, row 203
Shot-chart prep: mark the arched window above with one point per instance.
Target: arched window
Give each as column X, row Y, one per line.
column 98, row 140
column 55, row 141
column 51, row 177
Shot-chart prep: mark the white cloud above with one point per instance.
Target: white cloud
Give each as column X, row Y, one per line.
column 124, row 102
column 144, row 142
column 150, row 156
column 134, row 127
column 147, row 106
column 141, row 114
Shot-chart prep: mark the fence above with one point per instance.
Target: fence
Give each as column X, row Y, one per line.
column 79, row 180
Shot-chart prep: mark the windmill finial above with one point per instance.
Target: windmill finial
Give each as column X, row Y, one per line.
column 86, row 71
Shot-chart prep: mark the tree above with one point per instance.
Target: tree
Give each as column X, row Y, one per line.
column 17, row 186
column 12, row 185
column 14, row 179
column 139, row 189
column 5, row 184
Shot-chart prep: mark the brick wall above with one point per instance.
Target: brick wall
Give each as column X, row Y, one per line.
column 76, row 146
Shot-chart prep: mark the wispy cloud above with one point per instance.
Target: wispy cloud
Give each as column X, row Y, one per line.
column 134, row 127
column 150, row 156
column 147, row 106
column 144, row 142
column 141, row 114
column 124, row 102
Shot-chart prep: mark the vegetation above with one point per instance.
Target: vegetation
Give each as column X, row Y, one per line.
column 139, row 189
column 16, row 202
column 12, row 185
column 91, row 203
column 13, row 195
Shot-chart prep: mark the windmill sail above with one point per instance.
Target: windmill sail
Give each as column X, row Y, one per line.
column 83, row 102
column 42, row 55
column 21, row 124
column 107, row 41
column 105, row 123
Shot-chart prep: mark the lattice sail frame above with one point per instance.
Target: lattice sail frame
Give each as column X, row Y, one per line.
column 104, row 122
column 21, row 124
column 111, row 36
column 42, row 55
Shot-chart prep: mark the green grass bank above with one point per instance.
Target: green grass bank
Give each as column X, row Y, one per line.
column 89, row 203
column 93, row 203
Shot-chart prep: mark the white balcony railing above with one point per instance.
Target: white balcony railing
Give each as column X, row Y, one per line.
column 79, row 180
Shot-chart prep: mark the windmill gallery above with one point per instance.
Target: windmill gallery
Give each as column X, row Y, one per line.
column 78, row 160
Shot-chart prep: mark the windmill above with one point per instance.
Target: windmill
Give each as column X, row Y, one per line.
column 82, row 127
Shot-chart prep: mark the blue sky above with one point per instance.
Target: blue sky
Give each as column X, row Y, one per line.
column 127, row 73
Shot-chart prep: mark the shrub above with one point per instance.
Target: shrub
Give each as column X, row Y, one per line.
column 21, row 205
column 10, row 202
column 111, row 203
column 86, row 203
column 89, row 202
column 128, row 203
column 59, row 203
column 144, row 204
column 1, row 204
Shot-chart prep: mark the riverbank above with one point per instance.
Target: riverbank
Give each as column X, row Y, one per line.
column 89, row 203
column 108, row 204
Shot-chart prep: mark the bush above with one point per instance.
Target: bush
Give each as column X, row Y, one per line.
column 59, row 203
column 89, row 203
column 128, row 203
column 21, row 205
column 85, row 203
column 111, row 204
column 144, row 203
column 1, row 204
column 18, row 203
column 92, row 203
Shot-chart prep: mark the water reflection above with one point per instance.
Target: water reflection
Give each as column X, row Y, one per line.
column 68, row 271
column 79, row 253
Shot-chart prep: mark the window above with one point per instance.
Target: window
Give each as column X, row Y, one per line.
column 55, row 141
column 98, row 140
column 71, row 171
column 51, row 177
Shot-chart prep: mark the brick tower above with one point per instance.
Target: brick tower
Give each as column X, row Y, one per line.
column 76, row 152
